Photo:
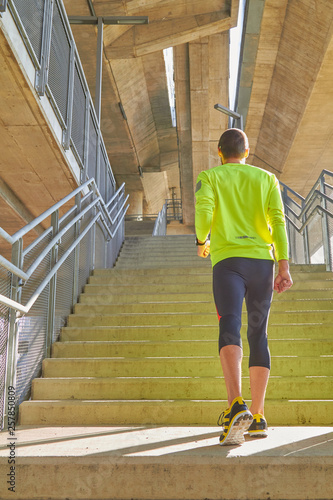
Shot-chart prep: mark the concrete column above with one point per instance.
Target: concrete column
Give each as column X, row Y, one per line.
column 135, row 203
column 183, row 110
column 209, row 84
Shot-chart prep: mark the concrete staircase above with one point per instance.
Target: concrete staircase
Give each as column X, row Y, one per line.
column 128, row 403
column 141, row 347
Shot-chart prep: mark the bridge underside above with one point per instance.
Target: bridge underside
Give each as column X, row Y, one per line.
column 285, row 97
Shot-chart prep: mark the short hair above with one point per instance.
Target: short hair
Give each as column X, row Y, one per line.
column 233, row 143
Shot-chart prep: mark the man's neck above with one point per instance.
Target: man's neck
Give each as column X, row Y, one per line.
column 233, row 160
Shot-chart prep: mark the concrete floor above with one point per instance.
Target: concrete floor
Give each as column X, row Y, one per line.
column 158, row 441
column 167, row 463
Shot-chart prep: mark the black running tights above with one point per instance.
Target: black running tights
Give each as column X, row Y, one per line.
column 237, row 278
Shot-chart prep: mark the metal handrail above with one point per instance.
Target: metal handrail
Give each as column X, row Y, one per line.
column 92, row 230
column 103, row 214
column 309, row 202
column 55, row 268
column 31, row 225
column 13, row 269
column 317, row 209
column 316, row 202
column 160, row 223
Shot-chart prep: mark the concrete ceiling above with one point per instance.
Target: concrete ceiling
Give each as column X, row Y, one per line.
column 34, row 173
column 285, row 96
column 286, row 88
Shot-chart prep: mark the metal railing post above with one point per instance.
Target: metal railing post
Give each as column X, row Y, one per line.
column 66, row 140
column 12, row 346
column 42, row 73
column 3, row 5
column 325, row 228
column 76, row 267
column 284, row 198
column 99, row 69
column 93, row 243
column 53, row 287
column 86, row 139
column 98, row 160
column 306, row 246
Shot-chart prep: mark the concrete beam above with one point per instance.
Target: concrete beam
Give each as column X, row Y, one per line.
column 301, row 52
column 256, row 85
column 164, row 32
column 312, row 148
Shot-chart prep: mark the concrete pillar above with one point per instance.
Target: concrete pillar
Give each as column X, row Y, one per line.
column 136, row 203
column 209, row 85
column 183, row 110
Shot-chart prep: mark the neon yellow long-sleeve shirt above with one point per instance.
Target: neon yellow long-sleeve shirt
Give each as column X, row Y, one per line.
column 239, row 204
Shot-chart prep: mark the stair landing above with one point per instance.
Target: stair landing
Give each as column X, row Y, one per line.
column 163, row 462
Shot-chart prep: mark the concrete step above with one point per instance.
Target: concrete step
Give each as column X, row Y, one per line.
column 157, row 264
column 181, row 319
column 197, row 307
column 196, row 366
column 179, row 287
column 185, row 278
column 126, row 462
column 194, row 333
column 201, row 267
column 139, row 298
column 149, row 258
column 166, row 412
column 175, row 387
column 138, row 349
column 149, row 250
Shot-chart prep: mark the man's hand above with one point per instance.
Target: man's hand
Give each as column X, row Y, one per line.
column 283, row 279
column 203, row 250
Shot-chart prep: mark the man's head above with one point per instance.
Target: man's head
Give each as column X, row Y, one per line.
column 233, row 145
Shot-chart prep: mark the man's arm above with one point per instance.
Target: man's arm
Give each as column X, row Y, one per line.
column 283, row 279
column 204, row 207
column 276, row 220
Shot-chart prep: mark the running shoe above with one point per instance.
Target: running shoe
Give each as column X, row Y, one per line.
column 258, row 428
column 235, row 421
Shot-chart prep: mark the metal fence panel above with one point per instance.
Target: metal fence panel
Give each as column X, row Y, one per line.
column 31, row 14
column 59, row 63
column 92, row 152
column 85, row 259
column 32, row 327
column 79, row 112
column 5, row 281
column 316, row 240
column 296, row 242
column 103, row 172
column 64, row 294
column 99, row 247
column 32, row 330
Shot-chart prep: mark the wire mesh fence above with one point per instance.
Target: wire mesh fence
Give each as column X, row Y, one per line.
column 41, row 285
column 5, row 284
column 55, row 268
column 31, row 15
column 48, row 37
